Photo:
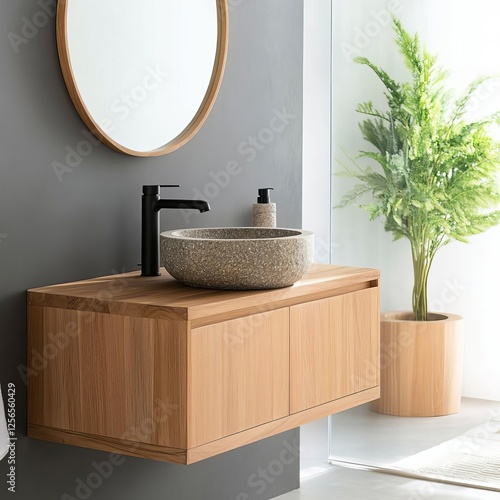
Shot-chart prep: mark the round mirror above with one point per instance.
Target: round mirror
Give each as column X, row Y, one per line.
column 143, row 75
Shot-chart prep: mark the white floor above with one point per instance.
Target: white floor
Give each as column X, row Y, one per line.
column 368, row 438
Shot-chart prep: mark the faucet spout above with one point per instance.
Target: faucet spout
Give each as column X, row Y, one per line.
column 150, row 235
column 200, row 205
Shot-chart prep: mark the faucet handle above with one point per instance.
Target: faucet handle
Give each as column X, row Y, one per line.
column 153, row 190
column 170, row 185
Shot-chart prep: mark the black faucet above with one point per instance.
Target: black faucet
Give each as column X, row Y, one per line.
column 150, row 242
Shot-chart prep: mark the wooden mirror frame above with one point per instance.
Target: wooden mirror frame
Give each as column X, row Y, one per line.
column 198, row 119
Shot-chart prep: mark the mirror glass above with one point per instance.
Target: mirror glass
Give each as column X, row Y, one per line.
column 143, row 75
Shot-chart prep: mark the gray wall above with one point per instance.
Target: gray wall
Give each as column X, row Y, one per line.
column 87, row 223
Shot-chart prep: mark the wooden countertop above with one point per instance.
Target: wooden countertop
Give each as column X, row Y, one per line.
column 163, row 297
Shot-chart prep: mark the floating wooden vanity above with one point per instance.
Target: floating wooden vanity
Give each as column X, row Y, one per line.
column 151, row 368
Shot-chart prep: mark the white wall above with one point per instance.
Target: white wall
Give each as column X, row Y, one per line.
column 465, row 277
column 316, row 149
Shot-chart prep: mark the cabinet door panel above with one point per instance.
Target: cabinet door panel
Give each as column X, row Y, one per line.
column 334, row 348
column 238, row 375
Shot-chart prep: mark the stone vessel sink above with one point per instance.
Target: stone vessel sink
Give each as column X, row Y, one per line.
column 237, row 258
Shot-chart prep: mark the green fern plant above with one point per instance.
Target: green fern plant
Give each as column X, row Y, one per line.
column 437, row 174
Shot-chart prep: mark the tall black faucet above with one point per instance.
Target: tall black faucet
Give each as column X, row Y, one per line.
column 150, row 242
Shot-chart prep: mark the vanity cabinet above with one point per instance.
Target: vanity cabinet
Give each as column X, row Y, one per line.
column 334, row 348
column 238, row 375
column 151, row 368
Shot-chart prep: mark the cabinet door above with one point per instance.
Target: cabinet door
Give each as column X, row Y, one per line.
column 238, row 375
column 334, row 348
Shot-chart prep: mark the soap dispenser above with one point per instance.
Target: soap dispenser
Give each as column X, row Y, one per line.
column 264, row 212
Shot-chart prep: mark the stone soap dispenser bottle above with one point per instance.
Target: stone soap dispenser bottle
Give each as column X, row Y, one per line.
column 264, row 212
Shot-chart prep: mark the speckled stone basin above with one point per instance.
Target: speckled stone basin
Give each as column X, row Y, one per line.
column 237, row 258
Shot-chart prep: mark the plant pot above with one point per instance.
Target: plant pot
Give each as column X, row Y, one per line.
column 420, row 365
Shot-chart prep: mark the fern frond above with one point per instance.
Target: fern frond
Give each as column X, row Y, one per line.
column 433, row 177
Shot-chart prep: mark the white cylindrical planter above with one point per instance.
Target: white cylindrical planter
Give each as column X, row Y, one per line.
column 421, row 365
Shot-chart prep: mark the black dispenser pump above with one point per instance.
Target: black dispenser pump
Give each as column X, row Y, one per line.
column 264, row 195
